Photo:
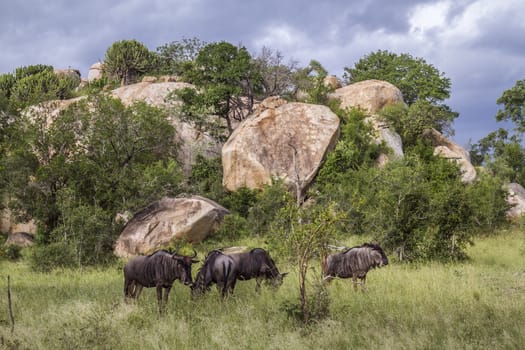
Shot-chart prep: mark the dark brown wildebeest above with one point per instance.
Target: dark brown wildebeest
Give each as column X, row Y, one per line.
column 355, row 262
column 257, row 264
column 159, row 270
column 217, row 268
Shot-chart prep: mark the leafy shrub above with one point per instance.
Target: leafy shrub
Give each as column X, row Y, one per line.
column 266, row 206
column 317, row 306
column 233, row 227
column 88, row 229
column 45, row 258
column 240, row 201
column 10, row 252
column 206, row 178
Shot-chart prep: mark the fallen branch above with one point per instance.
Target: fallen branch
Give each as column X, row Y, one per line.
column 11, row 315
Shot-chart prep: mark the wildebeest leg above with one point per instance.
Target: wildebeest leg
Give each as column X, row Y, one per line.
column 159, row 298
column 354, row 280
column 220, row 286
column 258, row 284
column 128, row 289
column 224, row 291
column 327, row 279
column 137, row 289
column 363, row 281
column 166, row 293
column 231, row 286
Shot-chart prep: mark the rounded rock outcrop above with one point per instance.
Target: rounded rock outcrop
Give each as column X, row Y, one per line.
column 154, row 227
column 289, row 142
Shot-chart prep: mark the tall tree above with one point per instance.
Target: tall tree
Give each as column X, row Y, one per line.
column 127, row 59
column 277, row 77
column 99, row 153
column 177, row 57
column 417, row 79
column 226, row 80
column 502, row 150
column 423, row 86
column 513, row 101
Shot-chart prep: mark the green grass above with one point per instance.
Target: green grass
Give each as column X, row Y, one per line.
column 479, row 304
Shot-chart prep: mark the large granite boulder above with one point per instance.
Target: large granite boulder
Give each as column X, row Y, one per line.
column 193, row 219
column 516, row 198
column 192, row 141
column 152, row 93
column 287, row 141
column 383, row 133
column 448, row 149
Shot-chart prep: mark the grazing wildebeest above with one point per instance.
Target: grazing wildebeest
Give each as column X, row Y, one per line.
column 257, row 264
column 218, row 268
column 354, row 262
column 159, row 270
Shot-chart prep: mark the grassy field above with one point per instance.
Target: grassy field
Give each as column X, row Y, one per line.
column 479, row 304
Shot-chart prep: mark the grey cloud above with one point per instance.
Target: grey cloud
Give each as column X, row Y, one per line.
column 337, row 33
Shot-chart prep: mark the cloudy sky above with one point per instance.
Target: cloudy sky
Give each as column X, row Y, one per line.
column 478, row 44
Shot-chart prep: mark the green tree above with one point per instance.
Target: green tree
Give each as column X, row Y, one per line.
column 417, row 79
column 34, row 84
column 126, row 60
column 303, row 234
column 277, row 78
column 513, row 101
column 410, row 122
column 223, row 75
column 501, row 150
column 311, row 81
column 424, row 89
column 178, row 57
column 97, row 155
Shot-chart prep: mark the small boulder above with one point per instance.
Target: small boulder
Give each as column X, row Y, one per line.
column 20, row 239
column 332, row 82
column 95, row 71
column 369, row 95
column 383, row 133
column 516, row 198
column 149, row 79
column 154, row 227
column 372, row 96
column 448, row 149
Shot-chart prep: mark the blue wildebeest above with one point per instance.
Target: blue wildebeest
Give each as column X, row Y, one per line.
column 218, row 268
column 257, row 264
column 355, row 262
column 159, row 270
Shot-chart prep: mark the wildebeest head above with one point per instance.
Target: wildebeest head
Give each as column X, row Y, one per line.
column 184, row 265
column 378, row 255
column 273, row 277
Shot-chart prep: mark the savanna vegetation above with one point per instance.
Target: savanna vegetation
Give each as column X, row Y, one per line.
column 99, row 158
column 475, row 304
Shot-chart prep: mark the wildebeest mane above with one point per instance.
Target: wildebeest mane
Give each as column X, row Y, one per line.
column 159, row 264
column 259, row 257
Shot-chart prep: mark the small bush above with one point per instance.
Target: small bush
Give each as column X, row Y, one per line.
column 10, row 252
column 233, row 226
column 54, row 255
column 317, row 306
